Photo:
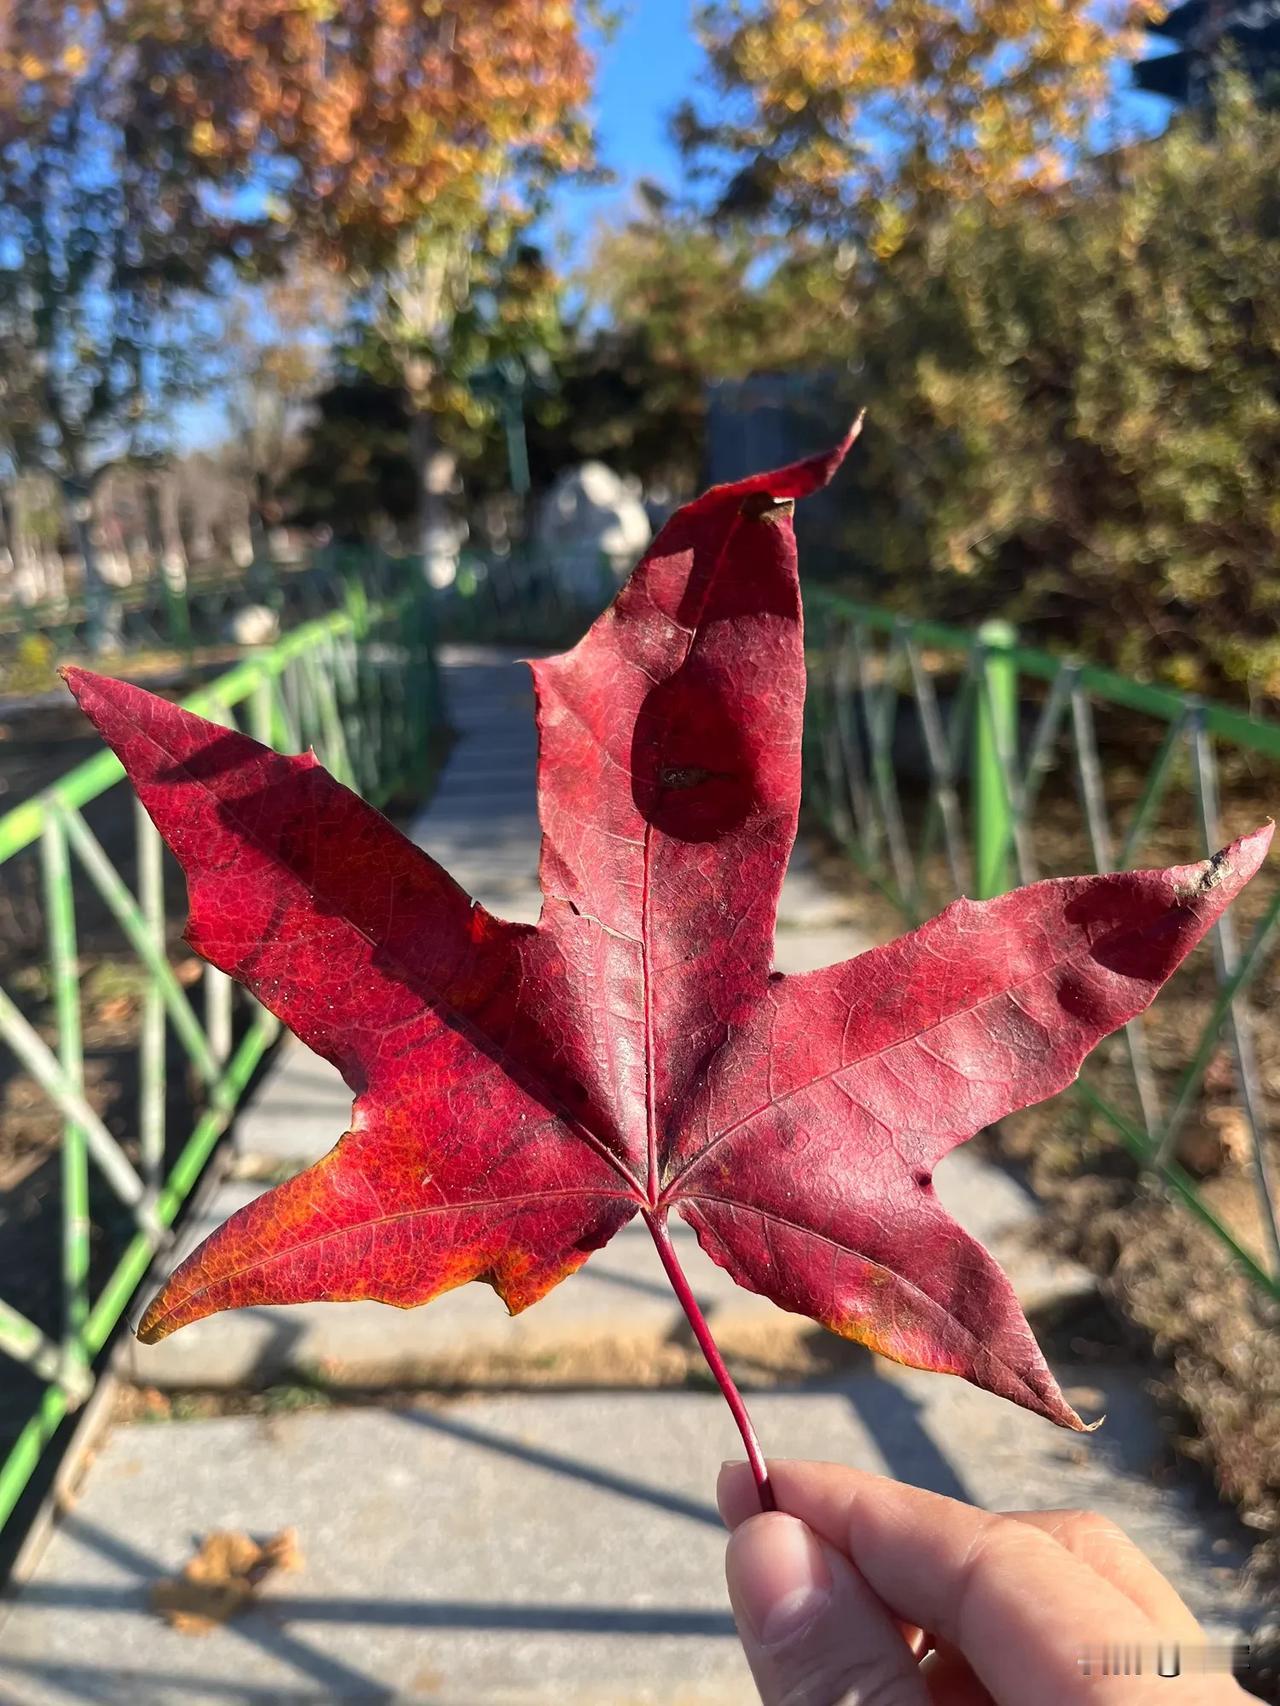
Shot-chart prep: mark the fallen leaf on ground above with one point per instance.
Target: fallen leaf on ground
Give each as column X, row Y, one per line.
column 222, row 1579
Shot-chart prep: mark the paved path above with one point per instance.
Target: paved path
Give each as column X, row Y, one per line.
column 553, row 1542
column 552, row 1549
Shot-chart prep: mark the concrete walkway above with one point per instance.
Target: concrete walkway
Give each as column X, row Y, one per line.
column 553, row 1540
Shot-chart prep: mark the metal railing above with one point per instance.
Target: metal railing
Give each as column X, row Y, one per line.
column 948, row 762
column 160, row 613
column 529, row 596
column 360, row 686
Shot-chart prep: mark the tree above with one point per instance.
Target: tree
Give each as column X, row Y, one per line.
column 619, row 400
column 275, row 347
column 354, row 473
column 852, row 117
column 355, row 119
column 411, row 138
column 149, row 144
column 104, row 233
column 451, row 304
column 439, row 387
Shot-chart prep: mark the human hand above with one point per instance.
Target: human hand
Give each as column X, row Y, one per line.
column 839, row 1593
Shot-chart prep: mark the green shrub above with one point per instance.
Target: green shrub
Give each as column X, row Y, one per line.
column 1075, row 412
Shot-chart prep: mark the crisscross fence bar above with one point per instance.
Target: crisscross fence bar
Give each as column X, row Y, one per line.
column 358, row 685
column 945, row 761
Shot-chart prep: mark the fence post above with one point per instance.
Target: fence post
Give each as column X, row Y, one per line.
column 995, row 736
column 177, row 606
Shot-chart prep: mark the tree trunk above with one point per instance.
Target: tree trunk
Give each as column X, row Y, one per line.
column 173, row 549
column 105, row 636
column 151, row 513
column 27, row 580
column 434, row 472
column 8, row 538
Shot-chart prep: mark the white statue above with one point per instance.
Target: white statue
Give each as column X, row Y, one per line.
column 591, row 526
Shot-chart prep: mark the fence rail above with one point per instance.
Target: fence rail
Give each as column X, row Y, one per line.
column 946, row 761
column 183, row 615
column 360, row 686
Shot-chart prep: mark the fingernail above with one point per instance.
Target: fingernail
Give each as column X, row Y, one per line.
column 778, row 1577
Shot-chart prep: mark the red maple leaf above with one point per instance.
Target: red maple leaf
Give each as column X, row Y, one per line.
column 522, row 1090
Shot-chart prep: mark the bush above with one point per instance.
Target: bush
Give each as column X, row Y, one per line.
column 1075, row 412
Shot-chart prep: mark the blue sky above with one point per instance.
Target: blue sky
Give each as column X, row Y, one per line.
column 651, row 64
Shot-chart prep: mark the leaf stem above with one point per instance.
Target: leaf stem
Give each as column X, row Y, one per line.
column 657, row 1224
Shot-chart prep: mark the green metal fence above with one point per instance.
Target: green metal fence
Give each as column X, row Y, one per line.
column 360, row 686
column 528, row 597
column 951, row 762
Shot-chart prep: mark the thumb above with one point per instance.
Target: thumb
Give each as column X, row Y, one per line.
column 814, row 1633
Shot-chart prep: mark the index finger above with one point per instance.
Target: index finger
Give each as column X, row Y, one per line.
column 1020, row 1606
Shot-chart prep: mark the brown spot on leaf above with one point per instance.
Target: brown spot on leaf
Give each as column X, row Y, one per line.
column 760, row 506
column 685, row 776
column 1215, row 873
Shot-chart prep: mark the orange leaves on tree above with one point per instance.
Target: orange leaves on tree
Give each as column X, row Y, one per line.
column 365, row 114
column 386, row 109
column 844, row 113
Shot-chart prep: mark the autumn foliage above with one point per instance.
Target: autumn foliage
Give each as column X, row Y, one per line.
column 386, row 108
column 157, row 154
column 852, row 116
column 345, row 120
